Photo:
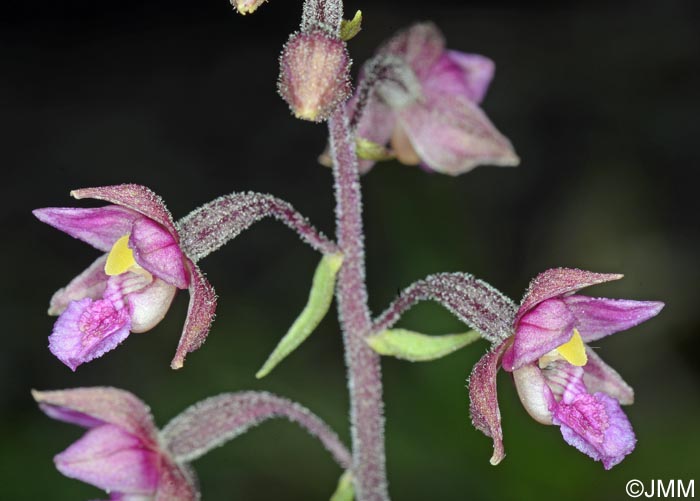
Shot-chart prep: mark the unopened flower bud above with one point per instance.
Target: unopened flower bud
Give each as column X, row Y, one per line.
column 247, row 6
column 314, row 74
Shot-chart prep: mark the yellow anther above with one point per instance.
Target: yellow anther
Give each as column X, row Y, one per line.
column 120, row 258
column 574, row 351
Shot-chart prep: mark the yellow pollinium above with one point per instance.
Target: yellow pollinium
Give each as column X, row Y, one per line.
column 120, row 258
column 574, row 351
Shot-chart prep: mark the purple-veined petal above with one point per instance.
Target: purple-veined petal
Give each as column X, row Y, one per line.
column 477, row 70
column 534, row 393
column 200, row 315
column 559, row 282
column 420, row 45
column 112, row 459
column 483, row 400
column 452, row 135
column 542, row 329
column 600, row 377
column 99, row 227
column 87, row 329
column 176, row 482
column 463, row 75
column 158, row 251
column 135, row 197
column 594, row 424
column 98, row 405
column 90, row 283
column 149, row 305
column 600, row 317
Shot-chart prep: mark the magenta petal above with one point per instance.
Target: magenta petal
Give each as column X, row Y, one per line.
column 98, row 405
column 99, row 227
column 200, row 315
column 544, row 328
column 90, row 283
column 452, row 135
column 112, row 459
column 477, row 73
column 600, row 317
column 463, row 75
column 595, row 425
column 483, row 400
column 135, row 197
column 157, row 251
column 420, row 46
column 558, row 282
column 600, row 377
column 87, row 330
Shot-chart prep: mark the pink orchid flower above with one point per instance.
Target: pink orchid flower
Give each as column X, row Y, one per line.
column 121, row 452
column 424, row 100
column 559, row 378
column 131, row 286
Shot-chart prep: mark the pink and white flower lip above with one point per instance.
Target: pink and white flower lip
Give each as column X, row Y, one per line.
column 131, row 286
column 427, row 105
column 121, row 452
column 559, row 378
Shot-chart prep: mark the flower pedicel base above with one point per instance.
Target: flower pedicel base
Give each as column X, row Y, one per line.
column 417, row 102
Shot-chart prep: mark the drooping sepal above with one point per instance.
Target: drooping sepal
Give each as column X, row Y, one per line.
column 320, row 298
column 416, row 347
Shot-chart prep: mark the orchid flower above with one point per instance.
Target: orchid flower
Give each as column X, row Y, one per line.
column 424, row 100
column 121, row 452
column 559, row 378
column 131, row 286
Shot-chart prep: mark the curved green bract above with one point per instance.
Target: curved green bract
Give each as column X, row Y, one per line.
column 415, row 347
column 320, row 298
column 345, row 490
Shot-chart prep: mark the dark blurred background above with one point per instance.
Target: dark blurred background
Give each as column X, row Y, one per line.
column 601, row 101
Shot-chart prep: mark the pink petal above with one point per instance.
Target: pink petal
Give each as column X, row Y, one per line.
column 452, row 135
column 594, row 424
column 483, row 400
column 376, row 124
column 600, row 377
column 420, row 45
column 90, row 283
column 99, row 227
column 534, row 393
column 134, row 197
column 200, row 315
column 87, row 329
column 98, row 405
column 600, row 317
column 112, row 459
column 542, row 329
column 149, row 305
column 462, row 75
column 558, row 282
column 158, row 251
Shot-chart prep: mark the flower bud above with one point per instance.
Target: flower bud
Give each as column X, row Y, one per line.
column 314, row 74
column 247, row 6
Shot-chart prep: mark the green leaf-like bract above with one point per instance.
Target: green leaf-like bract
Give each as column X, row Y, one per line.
column 415, row 347
column 320, row 299
column 345, row 490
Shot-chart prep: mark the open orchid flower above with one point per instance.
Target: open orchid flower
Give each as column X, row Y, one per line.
column 423, row 100
column 131, row 286
column 121, row 451
column 559, row 378
column 126, row 455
